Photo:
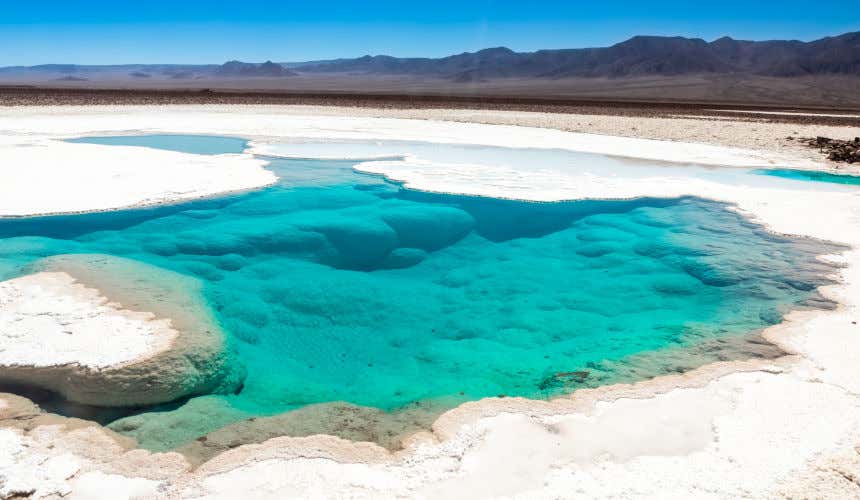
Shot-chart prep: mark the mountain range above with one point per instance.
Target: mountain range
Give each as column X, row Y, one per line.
column 637, row 57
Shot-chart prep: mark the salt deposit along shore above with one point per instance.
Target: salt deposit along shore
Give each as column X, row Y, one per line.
column 781, row 428
column 51, row 176
column 59, row 334
column 31, row 143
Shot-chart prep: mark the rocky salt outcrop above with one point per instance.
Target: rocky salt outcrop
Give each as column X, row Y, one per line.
column 847, row 151
column 58, row 332
column 49, row 456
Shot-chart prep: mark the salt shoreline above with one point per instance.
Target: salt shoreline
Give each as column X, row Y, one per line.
column 67, row 299
column 727, row 446
column 61, row 333
column 40, row 169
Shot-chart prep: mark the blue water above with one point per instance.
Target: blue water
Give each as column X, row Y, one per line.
column 812, row 175
column 338, row 286
column 194, row 144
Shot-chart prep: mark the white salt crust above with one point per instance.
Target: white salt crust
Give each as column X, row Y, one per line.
column 743, row 429
column 47, row 319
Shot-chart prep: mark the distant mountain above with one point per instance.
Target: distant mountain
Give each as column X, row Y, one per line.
column 106, row 72
column 834, row 55
column 638, row 56
column 243, row 69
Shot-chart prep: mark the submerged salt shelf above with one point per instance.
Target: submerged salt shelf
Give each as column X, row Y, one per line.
column 514, row 172
column 339, row 287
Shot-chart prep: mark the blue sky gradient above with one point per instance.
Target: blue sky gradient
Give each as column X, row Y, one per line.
column 197, row 31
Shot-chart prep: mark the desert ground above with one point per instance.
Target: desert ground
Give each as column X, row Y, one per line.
column 833, row 91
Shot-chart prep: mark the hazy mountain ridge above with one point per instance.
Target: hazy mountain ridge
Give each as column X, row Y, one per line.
column 60, row 72
column 268, row 68
column 639, row 56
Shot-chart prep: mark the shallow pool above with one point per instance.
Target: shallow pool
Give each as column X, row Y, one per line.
column 194, row 144
column 335, row 286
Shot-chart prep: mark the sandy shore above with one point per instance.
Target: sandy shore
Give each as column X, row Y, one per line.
column 747, row 429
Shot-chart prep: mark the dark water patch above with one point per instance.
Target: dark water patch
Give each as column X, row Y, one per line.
column 500, row 220
column 54, row 403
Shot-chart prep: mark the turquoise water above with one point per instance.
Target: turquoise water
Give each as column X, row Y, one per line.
column 194, row 144
column 338, row 286
column 812, row 175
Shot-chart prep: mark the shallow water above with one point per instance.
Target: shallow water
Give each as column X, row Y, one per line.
column 812, row 175
column 194, row 144
column 339, row 287
column 587, row 167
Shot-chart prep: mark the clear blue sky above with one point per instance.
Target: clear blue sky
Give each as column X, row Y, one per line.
column 198, row 31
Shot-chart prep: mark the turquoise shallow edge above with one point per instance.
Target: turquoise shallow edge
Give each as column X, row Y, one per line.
column 811, row 175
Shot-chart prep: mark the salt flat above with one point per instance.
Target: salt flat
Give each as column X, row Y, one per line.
column 744, row 429
column 48, row 176
column 32, row 151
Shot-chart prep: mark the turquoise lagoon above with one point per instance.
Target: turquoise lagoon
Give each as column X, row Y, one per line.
column 335, row 286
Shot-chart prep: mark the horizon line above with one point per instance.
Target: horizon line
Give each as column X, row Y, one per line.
column 418, row 56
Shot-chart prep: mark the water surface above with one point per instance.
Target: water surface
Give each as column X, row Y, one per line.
column 339, row 288
column 812, row 175
column 194, row 144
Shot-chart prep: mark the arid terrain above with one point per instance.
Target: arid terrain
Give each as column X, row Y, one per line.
column 819, row 73
column 24, row 95
column 836, row 92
